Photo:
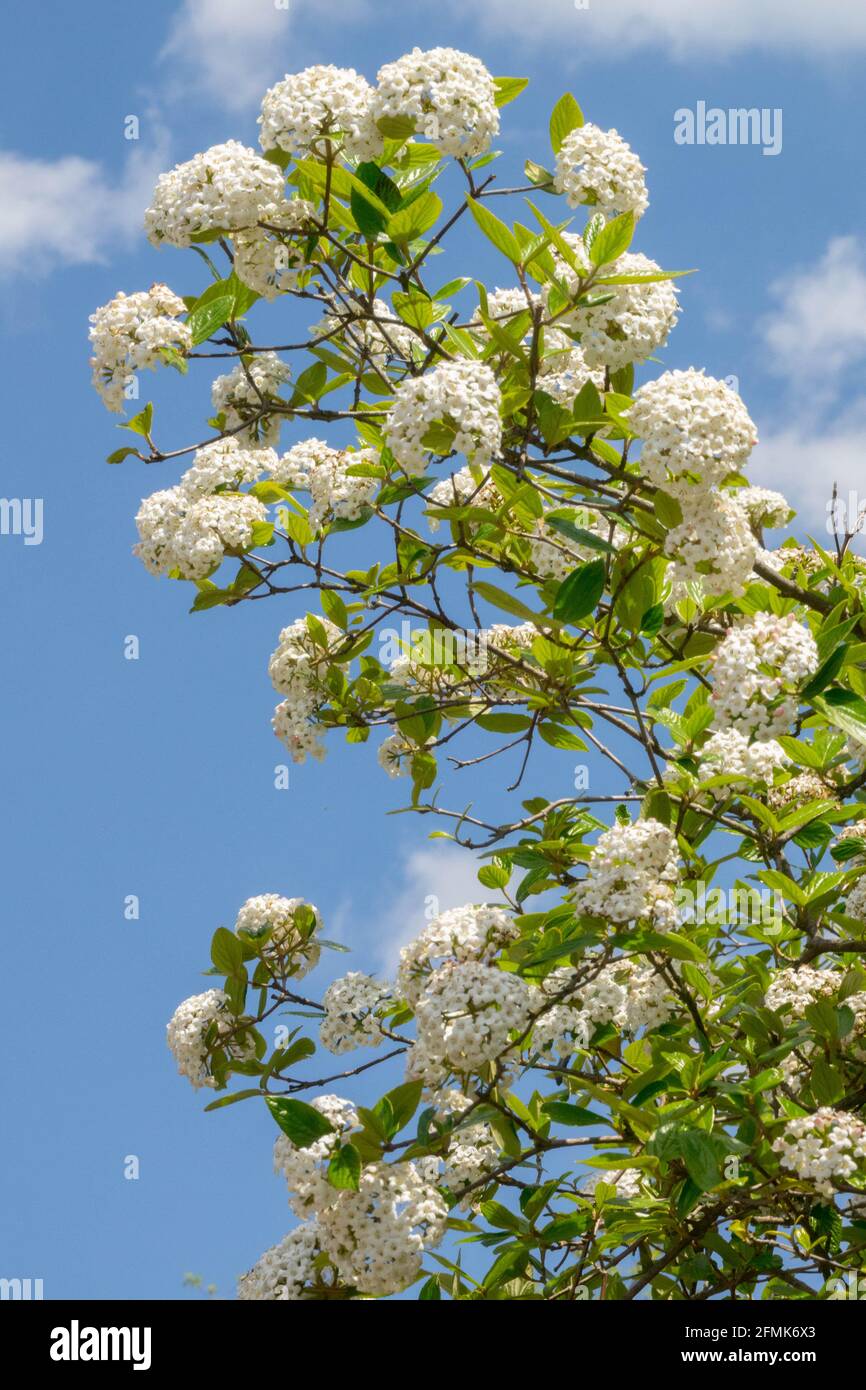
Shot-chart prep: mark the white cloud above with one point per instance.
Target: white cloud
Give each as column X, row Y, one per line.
column 803, row 462
column 232, row 50
column 818, row 328
column 714, row 28
column 68, row 211
column 432, row 879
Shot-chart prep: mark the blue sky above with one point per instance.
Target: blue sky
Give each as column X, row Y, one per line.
column 155, row 777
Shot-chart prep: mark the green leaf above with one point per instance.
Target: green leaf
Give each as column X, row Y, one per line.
column 204, row 321
column 303, row 1123
column 411, row 222
column 566, row 117
column 507, row 88
column 507, row 602
column 827, row 672
column 502, row 238
column 563, row 1114
column 845, row 710
column 589, row 539
column 699, row 1155
column 579, row 594
column 344, row 1169
column 140, row 423
column 613, row 239
column 226, row 951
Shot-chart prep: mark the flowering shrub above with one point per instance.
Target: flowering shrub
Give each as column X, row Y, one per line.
column 614, row 1094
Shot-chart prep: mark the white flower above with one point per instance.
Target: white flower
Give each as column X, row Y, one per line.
column 131, row 333
column 824, row 1148
column 728, row 753
column 337, row 494
column 244, row 393
column 351, row 1005
column 765, row 507
column 470, row 933
column 462, row 488
column 755, row 668
column 305, row 1170
column 464, row 1019
column 627, row 1183
column 793, row 990
column 564, row 370
column 713, row 545
column 691, row 423
column 376, row 334
column 297, row 669
column 632, row 325
column 225, row 464
column 227, row 188
column 192, row 535
column 463, row 394
column 449, row 94
column 186, row 1032
column 629, row 874
column 394, row 755
column 303, row 109
column 291, row 939
column 597, row 167
column 376, row 1237
column 271, row 262
column 285, row 1272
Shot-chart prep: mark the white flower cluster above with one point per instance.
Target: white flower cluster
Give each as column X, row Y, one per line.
column 598, row 167
column 755, row 667
column 460, row 934
column 305, row 1170
column 351, row 1006
column 632, row 325
column 691, row 424
column 394, row 755
column 376, row 1237
column 728, row 754
column 824, row 1148
column 449, row 94
column 473, row 1150
column 631, row 996
column 564, row 370
column 180, row 530
column 627, row 1182
column 337, row 494
column 464, row 1019
column 131, row 333
column 285, row 1272
column 227, row 188
column 713, row 545
column 243, row 395
column 297, row 668
column 764, row 507
column 855, row 905
column 463, row 488
column 553, row 556
column 292, row 941
column 186, row 1032
column 224, row 466
column 797, row 790
column 321, row 102
column 377, row 338
column 793, row 990
column 630, row 873
column 464, row 395
column 272, row 262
